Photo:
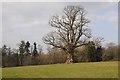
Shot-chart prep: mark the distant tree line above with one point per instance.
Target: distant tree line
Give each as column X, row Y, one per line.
column 28, row 54
column 94, row 53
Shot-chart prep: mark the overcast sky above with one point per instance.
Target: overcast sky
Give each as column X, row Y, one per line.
column 29, row 20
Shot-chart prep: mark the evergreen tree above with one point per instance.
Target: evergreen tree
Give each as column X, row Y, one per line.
column 35, row 49
column 99, row 53
column 91, row 52
column 27, row 45
column 22, row 51
column 4, row 50
column 4, row 55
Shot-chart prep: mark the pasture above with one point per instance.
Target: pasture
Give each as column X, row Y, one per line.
column 76, row 70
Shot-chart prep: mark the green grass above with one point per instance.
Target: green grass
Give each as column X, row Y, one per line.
column 78, row 70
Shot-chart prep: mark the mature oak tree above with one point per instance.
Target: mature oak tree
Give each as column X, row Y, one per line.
column 72, row 30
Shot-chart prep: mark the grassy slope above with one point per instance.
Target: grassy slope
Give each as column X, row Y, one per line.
column 79, row 70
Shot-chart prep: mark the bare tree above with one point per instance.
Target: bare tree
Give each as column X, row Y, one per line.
column 40, row 49
column 72, row 30
column 97, row 41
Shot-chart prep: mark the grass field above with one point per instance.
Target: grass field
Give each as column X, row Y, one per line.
column 78, row 70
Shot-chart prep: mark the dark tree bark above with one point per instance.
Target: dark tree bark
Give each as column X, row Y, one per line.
column 72, row 30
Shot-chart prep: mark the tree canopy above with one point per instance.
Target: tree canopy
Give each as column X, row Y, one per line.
column 72, row 29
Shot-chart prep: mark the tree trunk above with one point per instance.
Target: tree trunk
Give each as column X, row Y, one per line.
column 69, row 59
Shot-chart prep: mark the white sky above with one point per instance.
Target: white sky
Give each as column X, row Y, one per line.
column 29, row 20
